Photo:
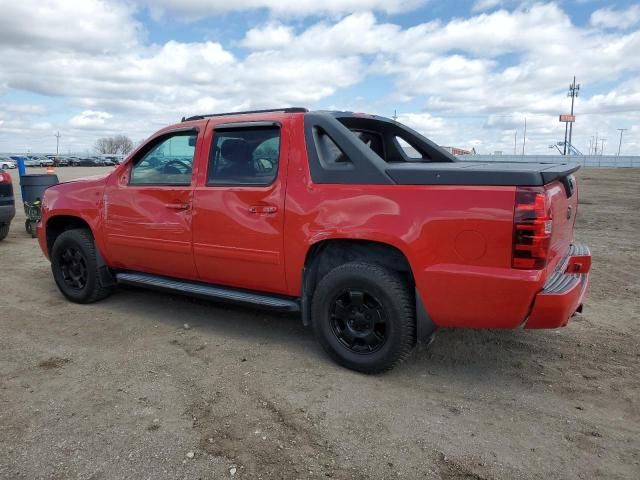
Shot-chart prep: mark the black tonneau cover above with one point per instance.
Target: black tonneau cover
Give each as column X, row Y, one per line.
column 479, row 173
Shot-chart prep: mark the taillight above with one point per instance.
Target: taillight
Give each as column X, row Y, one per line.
column 5, row 177
column 532, row 226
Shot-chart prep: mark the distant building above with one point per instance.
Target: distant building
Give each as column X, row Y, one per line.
column 460, row 151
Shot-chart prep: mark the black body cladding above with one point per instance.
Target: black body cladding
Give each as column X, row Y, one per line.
column 436, row 167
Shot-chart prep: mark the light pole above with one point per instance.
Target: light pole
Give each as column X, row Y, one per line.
column 524, row 135
column 57, row 135
column 573, row 93
column 621, row 130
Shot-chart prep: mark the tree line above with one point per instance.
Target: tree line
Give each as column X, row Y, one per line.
column 118, row 144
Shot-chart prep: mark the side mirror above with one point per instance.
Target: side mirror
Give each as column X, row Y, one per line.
column 192, row 140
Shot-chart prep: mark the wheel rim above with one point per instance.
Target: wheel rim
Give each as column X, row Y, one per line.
column 73, row 266
column 358, row 321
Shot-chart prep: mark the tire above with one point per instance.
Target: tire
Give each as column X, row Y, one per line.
column 4, row 230
column 345, row 306
column 75, row 268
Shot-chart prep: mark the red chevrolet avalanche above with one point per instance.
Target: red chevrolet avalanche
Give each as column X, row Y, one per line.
column 372, row 232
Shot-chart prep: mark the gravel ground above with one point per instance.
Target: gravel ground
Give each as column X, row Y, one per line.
column 148, row 385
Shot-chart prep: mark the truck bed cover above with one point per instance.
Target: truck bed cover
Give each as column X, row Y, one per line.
column 479, row 173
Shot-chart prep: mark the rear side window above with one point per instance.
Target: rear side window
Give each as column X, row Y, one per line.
column 244, row 156
column 329, row 153
column 410, row 151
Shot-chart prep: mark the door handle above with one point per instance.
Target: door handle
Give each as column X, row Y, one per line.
column 265, row 209
column 177, row 206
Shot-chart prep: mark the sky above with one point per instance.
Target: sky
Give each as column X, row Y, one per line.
column 463, row 73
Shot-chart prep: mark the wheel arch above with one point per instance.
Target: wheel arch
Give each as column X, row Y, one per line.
column 58, row 224
column 326, row 254
column 61, row 223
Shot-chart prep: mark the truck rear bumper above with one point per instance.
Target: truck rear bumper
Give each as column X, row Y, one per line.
column 7, row 212
column 564, row 291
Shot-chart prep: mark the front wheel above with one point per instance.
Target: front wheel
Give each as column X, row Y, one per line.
column 75, row 268
column 364, row 317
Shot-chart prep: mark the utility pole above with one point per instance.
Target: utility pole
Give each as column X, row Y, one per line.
column 573, row 93
column 395, row 115
column 621, row 130
column 602, row 149
column 57, row 135
column 590, row 145
column 524, row 136
column 595, row 145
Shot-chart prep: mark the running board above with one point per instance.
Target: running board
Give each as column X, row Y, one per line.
column 203, row 290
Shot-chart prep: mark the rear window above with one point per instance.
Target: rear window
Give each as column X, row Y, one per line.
column 244, row 156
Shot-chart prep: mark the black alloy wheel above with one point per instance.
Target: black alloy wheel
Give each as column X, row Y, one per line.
column 73, row 266
column 363, row 315
column 359, row 321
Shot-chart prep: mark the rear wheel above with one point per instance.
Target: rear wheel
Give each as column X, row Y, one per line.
column 364, row 317
column 75, row 268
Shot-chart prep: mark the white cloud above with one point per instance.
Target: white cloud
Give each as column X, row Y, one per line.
column 281, row 8
column 90, row 119
column 269, row 37
column 620, row 19
column 477, row 77
column 57, row 25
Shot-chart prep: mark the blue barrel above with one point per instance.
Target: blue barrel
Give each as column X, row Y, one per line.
column 33, row 186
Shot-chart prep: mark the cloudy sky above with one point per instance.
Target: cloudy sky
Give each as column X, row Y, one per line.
column 464, row 73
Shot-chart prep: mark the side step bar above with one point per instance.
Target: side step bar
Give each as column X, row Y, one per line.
column 203, row 290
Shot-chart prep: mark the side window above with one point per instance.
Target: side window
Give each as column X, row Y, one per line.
column 244, row 156
column 329, row 153
column 169, row 162
column 409, row 150
column 372, row 140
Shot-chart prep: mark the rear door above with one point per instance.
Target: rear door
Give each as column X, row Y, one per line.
column 239, row 206
column 148, row 208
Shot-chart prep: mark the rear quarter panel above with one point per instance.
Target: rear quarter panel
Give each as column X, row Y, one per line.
column 457, row 239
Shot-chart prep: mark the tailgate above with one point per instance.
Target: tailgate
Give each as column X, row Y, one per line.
column 563, row 195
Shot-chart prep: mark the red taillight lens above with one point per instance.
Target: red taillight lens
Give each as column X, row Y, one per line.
column 532, row 225
column 5, row 177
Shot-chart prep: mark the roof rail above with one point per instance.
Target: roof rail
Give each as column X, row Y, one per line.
column 283, row 110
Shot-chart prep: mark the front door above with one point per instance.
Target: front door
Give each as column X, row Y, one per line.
column 148, row 209
column 239, row 208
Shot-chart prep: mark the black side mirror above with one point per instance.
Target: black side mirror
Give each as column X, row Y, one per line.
column 192, row 140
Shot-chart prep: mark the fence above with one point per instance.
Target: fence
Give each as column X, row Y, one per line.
column 591, row 161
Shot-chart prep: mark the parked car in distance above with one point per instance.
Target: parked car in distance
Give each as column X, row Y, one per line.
column 7, row 203
column 32, row 162
column 7, row 163
column 88, row 162
column 42, row 161
column 61, row 161
column 325, row 214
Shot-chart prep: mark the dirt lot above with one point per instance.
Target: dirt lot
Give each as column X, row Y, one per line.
column 121, row 389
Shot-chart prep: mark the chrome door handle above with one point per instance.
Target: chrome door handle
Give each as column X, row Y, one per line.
column 266, row 209
column 177, row 206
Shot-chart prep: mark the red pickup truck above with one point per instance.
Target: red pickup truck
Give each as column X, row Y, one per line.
column 370, row 230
